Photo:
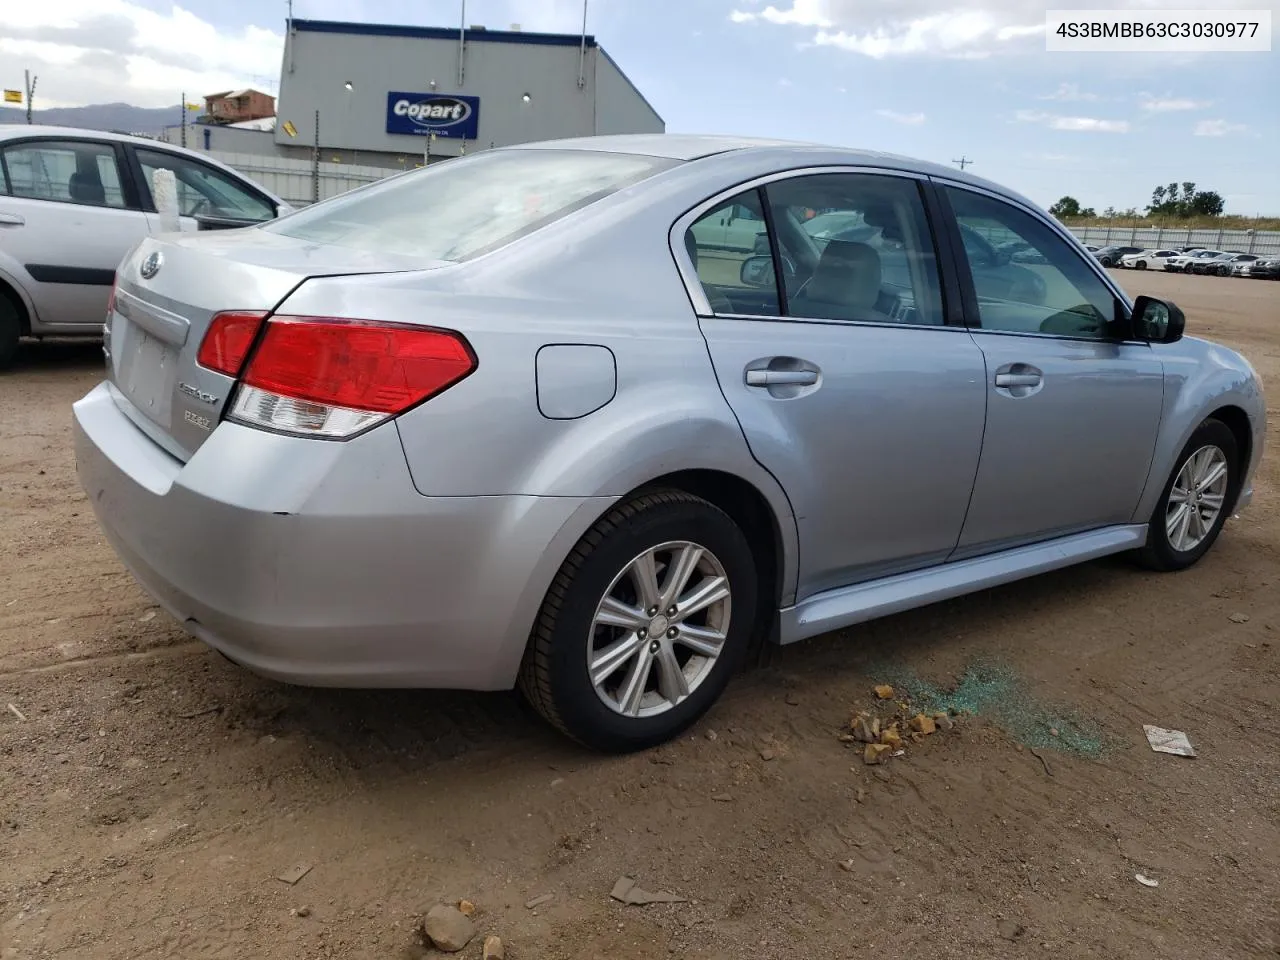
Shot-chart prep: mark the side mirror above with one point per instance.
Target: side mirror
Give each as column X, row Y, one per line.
column 1157, row 321
column 757, row 272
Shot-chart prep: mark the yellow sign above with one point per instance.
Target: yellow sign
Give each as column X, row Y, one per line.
column 195, row 106
column 13, row 96
column 290, row 129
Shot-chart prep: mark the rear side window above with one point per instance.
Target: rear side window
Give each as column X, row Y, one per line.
column 67, row 171
column 729, row 248
column 468, row 206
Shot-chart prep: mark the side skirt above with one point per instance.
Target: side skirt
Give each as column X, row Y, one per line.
column 845, row 606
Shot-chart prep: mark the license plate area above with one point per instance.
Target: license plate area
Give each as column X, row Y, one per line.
column 146, row 374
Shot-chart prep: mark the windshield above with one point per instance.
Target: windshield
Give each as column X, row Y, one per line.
column 467, row 206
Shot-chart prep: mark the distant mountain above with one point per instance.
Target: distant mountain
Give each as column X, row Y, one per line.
column 120, row 117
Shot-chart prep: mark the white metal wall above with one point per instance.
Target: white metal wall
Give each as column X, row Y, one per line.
column 1242, row 241
column 292, row 180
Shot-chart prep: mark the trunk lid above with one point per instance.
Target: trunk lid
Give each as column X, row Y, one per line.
column 167, row 291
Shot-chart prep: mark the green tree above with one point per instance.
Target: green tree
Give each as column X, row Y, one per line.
column 1066, row 207
column 1207, row 203
column 1184, row 200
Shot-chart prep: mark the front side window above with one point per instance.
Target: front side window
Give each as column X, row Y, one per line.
column 66, row 171
column 856, row 247
column 467, row 206
column 729, row 248
column 1046, row 288
column 204, row 191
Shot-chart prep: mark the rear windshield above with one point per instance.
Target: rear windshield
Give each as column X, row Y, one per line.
column 467, row 206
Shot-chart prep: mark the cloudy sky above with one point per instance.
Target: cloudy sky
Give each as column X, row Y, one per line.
column 938, row 79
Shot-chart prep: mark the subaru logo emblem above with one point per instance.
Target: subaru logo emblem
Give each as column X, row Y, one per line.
column 151, row 266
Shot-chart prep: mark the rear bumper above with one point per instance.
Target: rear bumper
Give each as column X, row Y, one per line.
column 319, row 563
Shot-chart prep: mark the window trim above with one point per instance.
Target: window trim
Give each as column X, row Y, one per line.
column 149, row 203
column 128, row 187
column 952, row 316
column 964, row 272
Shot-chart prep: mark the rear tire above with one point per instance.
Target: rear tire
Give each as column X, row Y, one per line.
column 1180, row 530
column 10, row 331
column 594, row 672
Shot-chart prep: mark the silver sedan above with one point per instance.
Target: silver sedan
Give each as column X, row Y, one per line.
column 533, row 418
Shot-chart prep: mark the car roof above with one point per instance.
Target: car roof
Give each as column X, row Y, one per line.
column 690, row 147
column 10, row 131
column 14, row 131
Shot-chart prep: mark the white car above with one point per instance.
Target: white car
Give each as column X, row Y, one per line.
column 1182, row 262
column 1148, row 259
column 74, row 202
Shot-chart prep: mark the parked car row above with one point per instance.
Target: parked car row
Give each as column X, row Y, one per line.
column 74, row 202
column 1194, row 260
column 1216, row 263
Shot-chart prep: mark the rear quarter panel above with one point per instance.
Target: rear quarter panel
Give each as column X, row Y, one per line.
column 605, row 277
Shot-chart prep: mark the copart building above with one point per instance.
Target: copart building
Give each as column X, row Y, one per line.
column 398, row 96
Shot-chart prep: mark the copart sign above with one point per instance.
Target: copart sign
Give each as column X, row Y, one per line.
column 444, row 114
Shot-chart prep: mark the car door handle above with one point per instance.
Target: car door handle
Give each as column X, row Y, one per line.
column 11, row 220
column 778, row 378
column 1018, row 379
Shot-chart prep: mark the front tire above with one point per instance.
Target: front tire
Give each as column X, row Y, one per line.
column 646, row 621
column 1141, row 264
column 1195, row 501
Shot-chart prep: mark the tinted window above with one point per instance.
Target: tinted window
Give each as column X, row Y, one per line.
column 1049, row 290
column 856, row 247
column 464, row 207
column 66, row 171
column 729, row 247
column 204, row 191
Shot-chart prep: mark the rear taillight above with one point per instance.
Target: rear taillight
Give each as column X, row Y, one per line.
column 227, row 341
column 328, row 377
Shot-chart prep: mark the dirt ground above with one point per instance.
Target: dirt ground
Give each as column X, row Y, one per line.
column 154, row 792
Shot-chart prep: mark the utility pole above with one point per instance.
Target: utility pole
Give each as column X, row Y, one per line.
column 962, row 162
column 184, row 118
column 582, row 50
column 315, row 164
column 31, row 92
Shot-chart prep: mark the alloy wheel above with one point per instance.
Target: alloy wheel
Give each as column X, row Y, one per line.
column 659, row 629
column 1197, row 498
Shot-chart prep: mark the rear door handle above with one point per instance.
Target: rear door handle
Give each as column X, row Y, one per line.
column 1018, row 379
column 778, row 378
column 11, row 220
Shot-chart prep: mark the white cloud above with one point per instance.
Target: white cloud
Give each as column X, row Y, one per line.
column 1171, row 104
column 1056, row 121
column 803, row 13
column 1070, row 92
column 1218, row 128
column 908, row 119
column 95, row 51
